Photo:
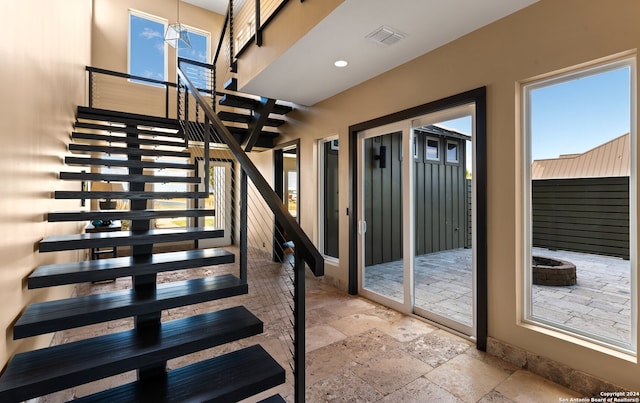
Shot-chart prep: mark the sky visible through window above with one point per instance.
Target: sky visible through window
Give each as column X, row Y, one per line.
column 577, row 115
column 147, row 48
column 148, row 51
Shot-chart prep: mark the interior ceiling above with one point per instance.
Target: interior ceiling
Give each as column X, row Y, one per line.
column 305, row 74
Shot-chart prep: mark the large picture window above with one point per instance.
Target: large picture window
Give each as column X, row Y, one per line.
column 580, row 246
column 147, row 49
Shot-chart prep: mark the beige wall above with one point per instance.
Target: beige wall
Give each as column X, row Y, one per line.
column 545, row 37
column 111, row 29
column 44, row 50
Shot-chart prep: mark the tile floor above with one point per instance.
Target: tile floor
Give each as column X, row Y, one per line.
column 357, row 351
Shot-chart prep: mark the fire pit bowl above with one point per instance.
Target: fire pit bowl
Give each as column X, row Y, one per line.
column 553, row 272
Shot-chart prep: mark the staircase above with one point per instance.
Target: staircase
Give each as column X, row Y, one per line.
column 99, row 135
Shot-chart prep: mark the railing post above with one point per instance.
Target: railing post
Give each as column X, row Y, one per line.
column 90, row 89
column 298, row 326
column 166, row 101
column 258, row 25
column 207, row 174
column 243, row 224
column 230, row 33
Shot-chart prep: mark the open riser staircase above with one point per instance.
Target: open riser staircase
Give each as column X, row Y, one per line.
column 115, row 139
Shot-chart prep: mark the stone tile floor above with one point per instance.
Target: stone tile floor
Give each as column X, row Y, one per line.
column 357, row 351
column 599, row 303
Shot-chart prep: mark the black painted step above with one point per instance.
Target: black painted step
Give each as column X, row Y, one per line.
column 95, row 177
column 265, row 140
column 108, row 162
column 243, row 118
column 126, row 140
column 227, row 378
column 106, row 269
column 231, row 84
column 84, row 148
column 125, row 238
column 126, row 214
column 125, row 117
column 39, row 372
column 73, row 194
column 237, row 101
column 120, row 128
column 52, row 316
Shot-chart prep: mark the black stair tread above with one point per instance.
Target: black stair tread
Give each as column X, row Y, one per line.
column 85, row 148
column 125, row 117
column 105, row 269
column 237, row 101
column 164, row 132
column 38, row 372
column 78, row 194
column 52, row 316
column 125, row 238
column 227, row 378
column 244, row 118
column 93, row 176
column 127, row 140
column 126, row 214
column 231, row 84
column 84, row 161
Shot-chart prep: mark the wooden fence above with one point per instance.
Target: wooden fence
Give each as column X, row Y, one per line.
column 582, row 214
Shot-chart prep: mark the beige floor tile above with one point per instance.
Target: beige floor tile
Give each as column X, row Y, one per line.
column 437, row 347
column 326, row 361
column 391, row 370
column 358, row 323
column 319, row 316
column 421, row 390
column 342, row 387
column 323, row 335
column 351, row 306
column 406, row 329
column 365, row 346
column 467, row 378
column 523, row 386
column 495, row 397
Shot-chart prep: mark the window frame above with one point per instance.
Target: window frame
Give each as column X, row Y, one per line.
column 526, row 315
column 446, row 154
column 334, row 145
column 207, row 35
column 426, row 149
column 154, row 18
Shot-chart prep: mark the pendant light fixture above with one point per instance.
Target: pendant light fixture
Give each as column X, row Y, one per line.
column 177, row 35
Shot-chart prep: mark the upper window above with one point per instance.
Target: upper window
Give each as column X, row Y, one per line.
column 580, row 245
column 147, row 49
column 452, row 151
column 199, row 52
column 432, row 152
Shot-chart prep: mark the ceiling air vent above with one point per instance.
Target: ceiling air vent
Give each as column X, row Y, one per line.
column 385, row 35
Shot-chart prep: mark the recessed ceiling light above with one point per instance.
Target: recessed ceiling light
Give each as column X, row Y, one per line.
column 340, row 63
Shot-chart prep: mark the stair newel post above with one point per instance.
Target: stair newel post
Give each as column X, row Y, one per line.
column 243, row 224
column 298, row 326
column 90, row 89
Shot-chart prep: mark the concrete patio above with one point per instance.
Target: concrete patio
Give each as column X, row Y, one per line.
column 599, row 303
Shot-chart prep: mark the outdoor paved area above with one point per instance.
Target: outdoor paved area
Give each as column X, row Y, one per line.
column 599, row 303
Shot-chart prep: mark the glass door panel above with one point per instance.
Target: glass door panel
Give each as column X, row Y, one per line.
column 381, row 222
column 443, row 221
column 220, row 175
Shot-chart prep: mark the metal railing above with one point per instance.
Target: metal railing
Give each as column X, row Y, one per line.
column 261, row 212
